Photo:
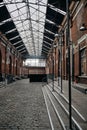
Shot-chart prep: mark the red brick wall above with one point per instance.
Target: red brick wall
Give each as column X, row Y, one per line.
column 37, row 70
column 2, row 48
column 76, row 34
column 76, row 61
column 6, row 56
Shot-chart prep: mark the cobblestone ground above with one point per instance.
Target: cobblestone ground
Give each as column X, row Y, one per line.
column 22, row 107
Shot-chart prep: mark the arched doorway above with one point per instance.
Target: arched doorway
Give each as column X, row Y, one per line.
column 10, row 65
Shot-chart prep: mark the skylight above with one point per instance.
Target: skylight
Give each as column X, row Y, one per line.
column 35, row 62
column 29, row 18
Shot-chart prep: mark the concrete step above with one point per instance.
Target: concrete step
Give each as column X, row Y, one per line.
column 81, row 87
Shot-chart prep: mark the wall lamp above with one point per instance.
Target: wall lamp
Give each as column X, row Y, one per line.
column 56, row 35
column 83, row 27
column 59, row 36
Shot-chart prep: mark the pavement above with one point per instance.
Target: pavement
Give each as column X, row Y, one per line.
column 22, row 107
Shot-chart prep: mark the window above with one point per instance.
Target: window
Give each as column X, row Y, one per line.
column 35, row 62
column 83, row 61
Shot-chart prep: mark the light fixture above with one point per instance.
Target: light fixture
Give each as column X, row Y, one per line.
column 56, row 35
column 83, row 27
column 59, row 37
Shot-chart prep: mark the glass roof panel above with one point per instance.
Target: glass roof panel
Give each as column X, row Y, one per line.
column 29, row 18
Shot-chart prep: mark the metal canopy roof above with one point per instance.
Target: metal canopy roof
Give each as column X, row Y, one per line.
column 31, row 25
column 54, row 17
column 8, row 28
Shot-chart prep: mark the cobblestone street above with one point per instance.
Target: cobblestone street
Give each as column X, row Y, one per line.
column 22, row 107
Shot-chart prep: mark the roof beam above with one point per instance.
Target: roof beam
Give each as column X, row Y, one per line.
column 13, row 30
column 17, row 42
column 47, row 43
column 29, row 16
column 22, row 20
column 57, row 10
column 14, row 38
column 5, row 21
column 45, row 51
column 46, row 46
column 49, row 38
column 23, row 1
column 51, row 22
column 21, row 49
column 49, row 31
column 19, row 46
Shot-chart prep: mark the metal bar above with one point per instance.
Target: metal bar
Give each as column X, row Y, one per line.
column 14, row 38
column 47, row 43
column 57, row 10
column 22, row 20
column 45, row 49
column 61, row 63
column 21, row 49
column 46, row 46
column 5, row 21
column 49, row 38
column 50, row 21
column 49, row 31
column 17, row 42
column 58, row 65
column 29, row 19
column 28, row 3
column 52, row 70
column 13, row 30
column 19, row 46
column 69, row 71
column 8, row 3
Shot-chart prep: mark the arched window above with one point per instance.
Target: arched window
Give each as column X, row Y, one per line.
column 83, row 65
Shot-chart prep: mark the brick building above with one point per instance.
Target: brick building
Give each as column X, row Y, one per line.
column 11, row 58
column 78, row 47
column 11, row 61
